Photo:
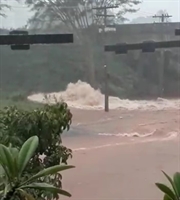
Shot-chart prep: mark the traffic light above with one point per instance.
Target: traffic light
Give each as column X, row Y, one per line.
column 20, row 47
column 16, row 46
column 177, row 32
column 148, row 47
column 121, row 48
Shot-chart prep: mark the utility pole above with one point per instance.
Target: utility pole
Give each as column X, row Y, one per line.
column 163, row 18
column 105, row 16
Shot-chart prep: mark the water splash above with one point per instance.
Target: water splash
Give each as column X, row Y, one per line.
column 82, row 96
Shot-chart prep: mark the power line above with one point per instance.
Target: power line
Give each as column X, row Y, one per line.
column 105, row 14
column 162, row 17
column 61, row 7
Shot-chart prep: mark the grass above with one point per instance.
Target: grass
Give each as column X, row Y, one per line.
column 18, row 99
column 23, row 104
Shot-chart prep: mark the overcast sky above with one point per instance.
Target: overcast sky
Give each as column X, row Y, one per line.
column 18, row 15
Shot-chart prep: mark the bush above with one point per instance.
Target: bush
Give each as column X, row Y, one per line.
column 48, row 123
column 14, row 183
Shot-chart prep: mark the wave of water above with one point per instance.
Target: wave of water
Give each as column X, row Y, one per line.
column 129, row 135
column 169, row 136
column 82, row 96
column 139, row 135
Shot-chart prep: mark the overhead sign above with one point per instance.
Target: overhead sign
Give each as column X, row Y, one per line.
column 107, row 29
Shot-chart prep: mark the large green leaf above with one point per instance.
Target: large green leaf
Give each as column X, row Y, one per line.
column 15, row 153
column 7, row 161
column 49, row 171
column 3, row 176
column 46, row 187
column 2, row 172
column 27, row 151
column 3, row 159
column 166, row 190
column 166, row 197
column 176, row 179
column 172, row 184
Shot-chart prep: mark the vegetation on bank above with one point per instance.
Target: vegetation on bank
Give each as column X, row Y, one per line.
column 24, row 105
column 32, row 155
column 15, row 181
column 47, row 122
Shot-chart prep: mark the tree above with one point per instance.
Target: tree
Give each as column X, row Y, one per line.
column 143, row 20
column 14, row 182
column 48, row 123
column 3, row 6
column 150, row 19
column 79, row 17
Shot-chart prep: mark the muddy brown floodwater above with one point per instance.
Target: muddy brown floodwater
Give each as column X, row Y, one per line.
column 120, row 154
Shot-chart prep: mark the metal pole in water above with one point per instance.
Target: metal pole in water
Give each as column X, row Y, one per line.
column 106, row 90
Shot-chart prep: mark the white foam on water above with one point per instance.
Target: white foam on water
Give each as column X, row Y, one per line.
column 134, row 134
column 139, row 135
column 82, row 96
column 169, row 136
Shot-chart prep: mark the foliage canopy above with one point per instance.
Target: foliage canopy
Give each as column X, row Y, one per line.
column 47, row 123
column 15, row 184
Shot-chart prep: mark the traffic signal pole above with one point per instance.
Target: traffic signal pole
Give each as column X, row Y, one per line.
column 105, row 16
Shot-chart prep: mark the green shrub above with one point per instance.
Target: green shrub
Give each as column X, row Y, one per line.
column 48, row 123
column 173, row 192
column 14, row 183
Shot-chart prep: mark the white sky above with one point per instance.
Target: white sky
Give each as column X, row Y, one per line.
column 18, row 15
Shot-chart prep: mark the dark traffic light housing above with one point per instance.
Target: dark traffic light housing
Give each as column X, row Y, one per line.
column 177, row 32
column 20, row 47
column 148, row 47
column 17, row 46
column 121, row 48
